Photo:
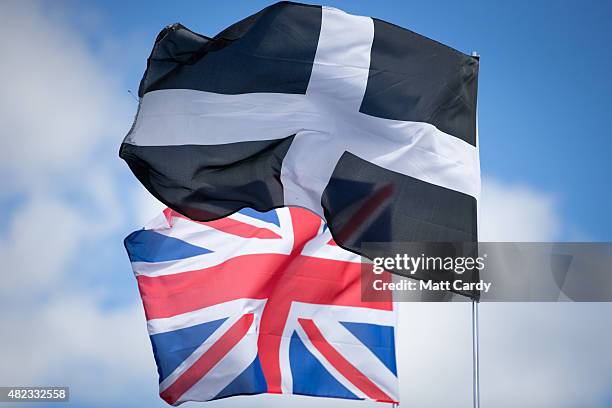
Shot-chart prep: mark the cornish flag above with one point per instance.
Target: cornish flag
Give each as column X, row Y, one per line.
column 301, row 105
column 260, row 303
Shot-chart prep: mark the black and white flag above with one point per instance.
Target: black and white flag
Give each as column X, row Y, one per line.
column 363, row 122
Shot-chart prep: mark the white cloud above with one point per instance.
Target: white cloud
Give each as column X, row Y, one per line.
column 146, row 206
column 103, row 355
column 434, row 354
column 57, row 108
column 46, row 233
column 546, row 354
column 60, row 110
column 42, row 239
column 536, row 355
column 517, row 213
column 56, row 102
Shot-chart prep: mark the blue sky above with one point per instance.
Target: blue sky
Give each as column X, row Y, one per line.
column 68, row 200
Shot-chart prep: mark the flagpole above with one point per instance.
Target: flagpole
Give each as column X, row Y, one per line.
column 475, row 322
column 475, row 355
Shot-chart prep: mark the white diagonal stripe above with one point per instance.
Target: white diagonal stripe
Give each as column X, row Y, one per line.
column 225, row 371
column 356, row 353
column 227, row 367
column 327, row 365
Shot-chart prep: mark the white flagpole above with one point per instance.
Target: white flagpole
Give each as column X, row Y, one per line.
column 475, row 356
column 475, row 323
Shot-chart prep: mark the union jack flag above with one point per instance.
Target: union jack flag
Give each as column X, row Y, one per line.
column 260, row 303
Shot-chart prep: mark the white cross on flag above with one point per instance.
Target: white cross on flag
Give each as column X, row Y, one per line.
column 367, row 124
